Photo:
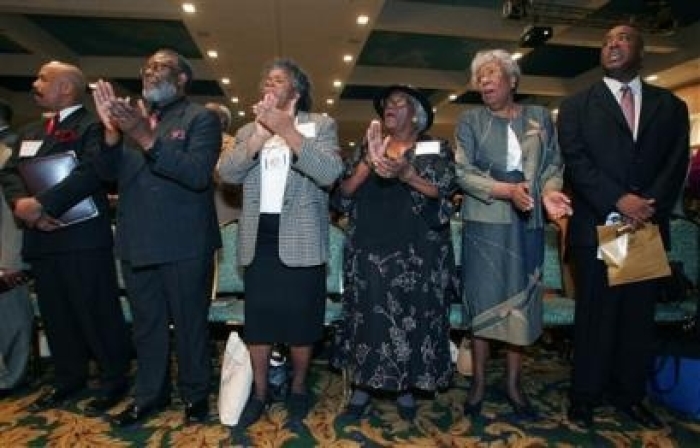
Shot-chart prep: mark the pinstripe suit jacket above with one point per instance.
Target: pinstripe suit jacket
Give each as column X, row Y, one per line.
column 304, row 218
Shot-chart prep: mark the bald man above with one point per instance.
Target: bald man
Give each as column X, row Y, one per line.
column 73, row 266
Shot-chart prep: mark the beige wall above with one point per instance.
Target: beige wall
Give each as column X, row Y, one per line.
column 691, row 95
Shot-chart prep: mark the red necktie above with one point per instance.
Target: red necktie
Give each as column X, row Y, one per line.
column 51, row 124
column 627, row 104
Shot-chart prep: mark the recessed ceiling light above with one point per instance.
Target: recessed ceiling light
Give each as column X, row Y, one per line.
column 329, row 101
column 453, row 97
column 213, row 54
column 555, row 111
column 226, row 81
column 337, row 83
column 351, row 144
column 517, row 56
column 234, row 99
column 651, row 78
column 241, row 113
column 347, row 58
column 189, row 8
column 362, row 19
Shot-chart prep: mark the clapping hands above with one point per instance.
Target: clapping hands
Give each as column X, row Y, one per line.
column 377, row 158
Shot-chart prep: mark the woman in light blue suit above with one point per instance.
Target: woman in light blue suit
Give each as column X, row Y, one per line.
column 286, row 160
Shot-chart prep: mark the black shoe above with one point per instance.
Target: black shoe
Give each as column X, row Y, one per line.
column 134, row 413
column 580, row 414
column 473, row 409
column 104, row 402
column 298, row 406
column 252, row 412
column 522, row 410
column 54, row 397
column 197, row 412
column 354, row 411
column 642, row 415
column 406, row 412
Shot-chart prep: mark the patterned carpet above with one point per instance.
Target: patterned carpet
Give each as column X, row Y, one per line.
column 439, row 423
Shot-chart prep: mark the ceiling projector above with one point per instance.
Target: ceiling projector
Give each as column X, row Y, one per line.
column 535, row 35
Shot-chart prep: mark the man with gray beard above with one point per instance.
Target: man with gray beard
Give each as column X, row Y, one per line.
column 162, row 152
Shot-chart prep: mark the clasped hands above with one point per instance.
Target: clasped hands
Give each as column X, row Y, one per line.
column 377, row 159
column 31, row 212
column 636, row 210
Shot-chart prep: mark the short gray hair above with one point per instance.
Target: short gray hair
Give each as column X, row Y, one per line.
column 502, row 57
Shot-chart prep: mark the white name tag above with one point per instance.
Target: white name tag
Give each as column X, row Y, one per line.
column 429, row 147
column 307, row 129
column 29, row 148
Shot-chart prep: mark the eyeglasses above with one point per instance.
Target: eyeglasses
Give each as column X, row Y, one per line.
column 157, row 67
column 396, row 101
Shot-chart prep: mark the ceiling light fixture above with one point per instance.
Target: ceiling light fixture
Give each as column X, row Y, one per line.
column 329, row 101
column 517, row 55
column 241, row 113
column 189, row 8
column 453, row 96
column 234, row 99
column 347, row 58
column 213, row 54
column 362, row 19
column 337, row 83
column 226, row 81
column 651, row 78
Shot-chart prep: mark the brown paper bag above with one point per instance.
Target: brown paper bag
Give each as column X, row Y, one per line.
column 632, row 255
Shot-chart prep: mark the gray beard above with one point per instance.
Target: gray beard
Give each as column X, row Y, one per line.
column 161, row 93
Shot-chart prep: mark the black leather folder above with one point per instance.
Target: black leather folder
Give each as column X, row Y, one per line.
column 41, row 173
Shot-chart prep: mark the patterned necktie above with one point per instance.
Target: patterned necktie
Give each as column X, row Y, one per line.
column 627, row 104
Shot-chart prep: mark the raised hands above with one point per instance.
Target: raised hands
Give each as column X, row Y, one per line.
column 377, row 157
column 269, row 117
column 119, row 114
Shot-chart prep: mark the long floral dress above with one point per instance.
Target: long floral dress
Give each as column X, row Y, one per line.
column 397, row 269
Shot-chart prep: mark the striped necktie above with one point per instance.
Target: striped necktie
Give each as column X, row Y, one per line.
column 627, row 104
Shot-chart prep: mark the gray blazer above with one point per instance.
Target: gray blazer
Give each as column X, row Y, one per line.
column 305, row 218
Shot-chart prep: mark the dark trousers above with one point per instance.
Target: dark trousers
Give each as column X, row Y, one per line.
column 613, row 334
column 177, row 293
column 80, row 309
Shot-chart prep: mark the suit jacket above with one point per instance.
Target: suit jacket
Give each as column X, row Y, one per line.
column 603, row 161
column 82, row 133
column 165, row 211
column 305, row 215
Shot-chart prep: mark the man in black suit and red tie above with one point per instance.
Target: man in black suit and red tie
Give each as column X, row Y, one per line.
column 626, row 149
column 167, row 229
column 73, row 266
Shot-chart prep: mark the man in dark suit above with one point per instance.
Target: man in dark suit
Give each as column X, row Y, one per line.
column 167, row 231
column 73, row 266
column 625, row 145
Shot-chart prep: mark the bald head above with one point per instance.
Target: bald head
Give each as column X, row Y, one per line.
column 59, row 85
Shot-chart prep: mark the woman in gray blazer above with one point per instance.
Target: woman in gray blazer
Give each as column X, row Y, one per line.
column 286, row 160
column 510, row 168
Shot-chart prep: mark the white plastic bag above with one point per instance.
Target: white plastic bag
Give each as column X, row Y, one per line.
column 236, row 380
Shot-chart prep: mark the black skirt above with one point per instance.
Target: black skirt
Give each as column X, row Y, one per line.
column 282, row 304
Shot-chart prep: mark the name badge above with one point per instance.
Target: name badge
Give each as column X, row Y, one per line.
column 307, row 129
column 29, row 148
column 426, row 148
